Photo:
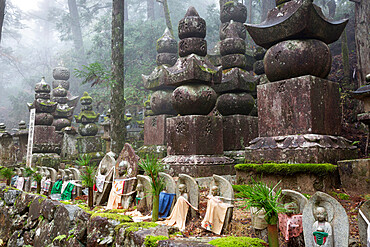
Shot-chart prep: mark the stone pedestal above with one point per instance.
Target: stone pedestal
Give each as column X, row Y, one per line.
column 155, row 130
column 300, row 105
column 238, row 131
column 46, row 140
column 91, row 145
column 354, row 175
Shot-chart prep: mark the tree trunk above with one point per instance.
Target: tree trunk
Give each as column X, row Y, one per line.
column 76, row 32
column 90, row 197
column 155, row 208
column 2, row 14
column 126, row 11
column 266, row 6
column 273, row 235
column 8, row 182
column 150, row 9
column 362, row 30
column 345, row 57
column 118, row 127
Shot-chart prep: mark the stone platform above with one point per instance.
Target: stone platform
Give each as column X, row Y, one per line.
column 355, row 175
column 308, row 148
column 155, row 130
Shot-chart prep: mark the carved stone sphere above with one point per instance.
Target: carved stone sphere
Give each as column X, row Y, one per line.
column 235, row 103
column 194, row 99
column 61, row 123
column 233, row 10
column 161, row 102
column 90, row 129
column 43, row 119
column 62, row 83
column 61, row 73
column 294, row 58
column 241, row 31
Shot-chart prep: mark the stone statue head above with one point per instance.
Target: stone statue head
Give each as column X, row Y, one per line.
column 103, row 169
column 320, row 214
column 65, row 178
column 59, row 176
column 215, row 191
column 140, row 187
column 70, row 176
column 182, row 188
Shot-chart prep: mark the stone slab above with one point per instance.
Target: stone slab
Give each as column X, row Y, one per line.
column 194, row 134
column 46, row 140
column 355, row 175
column 238, row 131
column 300, row 105
column 198, row 165
column 236, row 80
column 89, row 144
column 155, row 130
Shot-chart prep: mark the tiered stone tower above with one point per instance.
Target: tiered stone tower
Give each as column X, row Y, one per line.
column 160, row 101
column 194, row 139
column 236, row 102
column 46, row 142
column 298, row 109
column 22, row 135
column 66, row 103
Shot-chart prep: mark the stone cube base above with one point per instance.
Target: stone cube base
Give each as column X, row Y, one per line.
column 238, row 131
column 307, row 148
column 159, row 151
column 300, row 105
column 155, row 130
column 89, row 144
column 46, row 140
column 194, row 135
column 355, row 175
column 199, row 165
column 46, row 159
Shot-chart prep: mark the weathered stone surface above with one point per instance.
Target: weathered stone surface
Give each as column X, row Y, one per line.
column 161, row 102
column 192, row 45
column 159, row 151
column 259, row 53
column 238, row 131
column 362, row 224
column 89, row 144
column 235, row 103
column 258, row 67
column 242, row 33
column 59, row 92
column 46, row 140
column 23, row 202
column 236, row 80
column 234, row 60
column 157, row 79
column 233, row 10
column 60, row 100
column 62, row 83
column 127, row 164
column 43, row 105
column 337, row 218
column 100, row 232
column 6, row 223
column 194, row 99
column 61, row 73
column 302, row 20
column 10, row 196
column 42, row 86
column 353, row 171
column 15, row 240
column 194, row 134
column 48, row 208
column 233, row 45
column 166, row 58
column 299, row 106
column 293, row 58
column 43, row 118
column 155, row 130
column 199, row 165
column 106, row 167
column 61, row 123
column 306, row 148
column 166, row 43
column 80, row 227
column 35, row 208
column 192, row 25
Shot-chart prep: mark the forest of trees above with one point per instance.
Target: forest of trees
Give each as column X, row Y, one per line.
column 78, row 34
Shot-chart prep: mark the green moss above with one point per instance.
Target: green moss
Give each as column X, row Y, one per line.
column 66, row 202
column 70, row 236
column 86, row 96
column 60, row 237
column 341, row 196
column 206, row 69
column 41, row 218
column 288, row 169
column 134, row 226
column 114, row 216
column 41, row 200
column 47, row 103
column 237, row 242
column 229, row 3
column 152, row 241
column 120, row 211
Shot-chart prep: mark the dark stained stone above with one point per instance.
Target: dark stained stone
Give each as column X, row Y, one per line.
column 194, row 134
column 352, row 171
column 166, row 58
column 138, row 237
column 295, row 20
column 62, row 83
column 48, row 208
column 6, row 223
column 242, row 33
column 236, row 80
column 166, row 43
column 235, row 103
column 59, row 92
column 234, row 60
column 259, row 53
column 232, row 46
column 194, row 99
column 89, row 144
column 90, row 129
column 42, row 86
column 43, row 105
column 161, row 102
column 80, row 228
column 192, row 25
column 46, row 140
column 23, row 202
column 233, row 10
column 258, row 67
column 238, row 131
column 43, row 118
column 16, row 240
column 98, row 230
column 155, row 130
column 61, row 123
column 35, row 208
column 42, row 96
column 293, row 58
column 10, row 196
column 192, row 45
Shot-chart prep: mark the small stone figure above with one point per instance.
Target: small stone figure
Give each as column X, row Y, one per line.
column 87, row 117
column 183, row 191
column 322, row 230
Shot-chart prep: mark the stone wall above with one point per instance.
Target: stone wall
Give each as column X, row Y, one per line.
column 31, row 219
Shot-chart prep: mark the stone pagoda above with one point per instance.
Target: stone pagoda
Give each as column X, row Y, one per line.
column 22, row 135
column 299, row 118
column 88, row 142
column 63, row 114
column 195, row 138
column 155, row 138
column 46, row 142
column 236, row 102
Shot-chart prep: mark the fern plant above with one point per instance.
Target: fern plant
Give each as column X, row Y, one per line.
column 88, row 175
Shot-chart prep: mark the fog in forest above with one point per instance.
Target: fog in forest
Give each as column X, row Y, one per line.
column 39, row 35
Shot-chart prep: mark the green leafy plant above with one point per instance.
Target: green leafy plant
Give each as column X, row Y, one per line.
column 152, row 167
column 267, row 197
column 7, row 173
column 88, row 175
column 28, row 172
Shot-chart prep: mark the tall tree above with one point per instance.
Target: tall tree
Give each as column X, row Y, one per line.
column 2, row 14
column 76, row 32
column 150, row 9
column 362, row 30
column 118, row 126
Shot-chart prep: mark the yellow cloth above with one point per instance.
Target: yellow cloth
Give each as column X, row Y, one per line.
column 215, row 215
column 115, row 194
column 179, row 213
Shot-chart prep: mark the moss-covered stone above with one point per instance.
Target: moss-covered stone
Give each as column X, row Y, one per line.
column 152, row 241
column 238, row 242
